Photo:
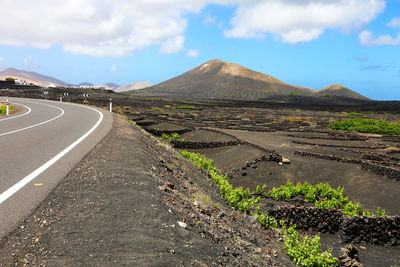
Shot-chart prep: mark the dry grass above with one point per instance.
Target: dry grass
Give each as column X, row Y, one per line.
column 160, row 110
column 204, row 201
column 293, row 119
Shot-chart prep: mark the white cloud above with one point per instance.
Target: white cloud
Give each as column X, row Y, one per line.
column 1, row 59
column 367, row 39
column 395, row 22
column 97, row 27
column 210, row 20
column 297, row 21
column 119, row 27
column 113, row 68
column 28, row 60
column 193, row 53
column 172, row 45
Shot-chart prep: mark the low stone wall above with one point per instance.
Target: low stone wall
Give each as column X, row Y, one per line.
column 267, row 151
column 310, row 218
column 327, row 157
column 386, row 171
column 391, row 138
column 375, row 230
column 382, row 231
column 382, row 170
column 143, row 122
column 378, row 157
column 272, row 156
column 333, row 137
column 198, row 145
column 375, row 146
column 159, row 132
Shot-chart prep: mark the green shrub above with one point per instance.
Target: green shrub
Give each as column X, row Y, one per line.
column 360, row 113
column 367, row 126
column 381, row 212
column 352, row 209
column 367, row 213
column 188, row 107
column 85, row 101
column 174, row 136
column 322, row 195
column 306, row 252
column 354, row 114
column 267, row 221
column 294, row 93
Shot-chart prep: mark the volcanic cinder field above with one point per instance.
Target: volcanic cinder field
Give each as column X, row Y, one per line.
column 366, row 166
column 261, row 131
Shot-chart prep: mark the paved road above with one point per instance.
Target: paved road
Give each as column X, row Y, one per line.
column 38, row 147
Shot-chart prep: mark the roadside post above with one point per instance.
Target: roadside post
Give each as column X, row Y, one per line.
column 110, row 104
column 8, row 107
column 85, row 96
column 65, row 94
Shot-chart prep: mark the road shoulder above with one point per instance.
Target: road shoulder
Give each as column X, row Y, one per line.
column 121, row 206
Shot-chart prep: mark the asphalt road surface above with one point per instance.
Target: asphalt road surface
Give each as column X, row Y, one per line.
column 38, row 148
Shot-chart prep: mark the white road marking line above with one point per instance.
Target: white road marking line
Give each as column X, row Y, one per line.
column 15, row 188
column 17, row 116
column 38, row 124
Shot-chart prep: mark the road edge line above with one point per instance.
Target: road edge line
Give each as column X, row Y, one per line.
column 16, row 187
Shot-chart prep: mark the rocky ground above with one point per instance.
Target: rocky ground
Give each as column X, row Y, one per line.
column 366, row 166
column 236, row 135
column 135, row 201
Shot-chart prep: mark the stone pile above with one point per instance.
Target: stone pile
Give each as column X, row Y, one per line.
column 349, row 257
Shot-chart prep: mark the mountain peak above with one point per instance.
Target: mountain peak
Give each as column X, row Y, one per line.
column 340, row 90
column 334, row 87
column 222, row 68
column 132, row 87
column 220, row 79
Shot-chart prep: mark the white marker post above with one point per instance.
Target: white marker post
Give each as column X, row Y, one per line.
column 110, row 104
column 60, row 98
column 8, row 107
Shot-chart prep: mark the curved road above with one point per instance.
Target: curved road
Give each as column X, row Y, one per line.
column 38, row 148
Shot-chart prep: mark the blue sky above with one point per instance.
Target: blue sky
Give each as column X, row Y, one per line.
column 313, row 43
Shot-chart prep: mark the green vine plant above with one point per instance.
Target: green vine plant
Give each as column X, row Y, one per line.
column 323, row 196
column 173, row 136
column 306, row 252
column 367, row 126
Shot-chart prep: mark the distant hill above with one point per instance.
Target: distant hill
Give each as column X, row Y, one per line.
column 85, row 84
column 341, row 91
column 31, row 77
column 132, row 87
column 217, row 79
column 111, row 86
